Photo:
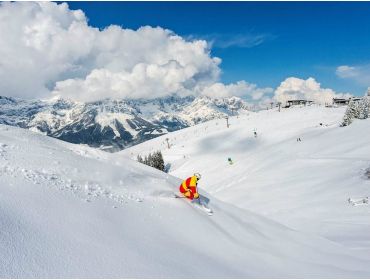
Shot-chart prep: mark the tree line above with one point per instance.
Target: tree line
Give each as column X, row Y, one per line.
column 154, row 159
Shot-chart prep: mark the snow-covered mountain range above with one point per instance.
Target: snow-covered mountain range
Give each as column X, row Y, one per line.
column 114, row 124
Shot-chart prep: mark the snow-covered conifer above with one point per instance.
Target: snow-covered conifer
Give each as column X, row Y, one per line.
column 140, row 159
column 350, row 114
column 366, row 104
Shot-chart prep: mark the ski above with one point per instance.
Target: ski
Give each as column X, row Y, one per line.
column 201, row 203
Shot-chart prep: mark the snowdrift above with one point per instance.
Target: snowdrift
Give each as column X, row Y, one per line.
column 69, row 211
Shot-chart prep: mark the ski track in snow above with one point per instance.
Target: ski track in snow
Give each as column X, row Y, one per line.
column 87, row 191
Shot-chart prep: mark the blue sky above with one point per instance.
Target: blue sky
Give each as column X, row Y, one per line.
column 261, row 42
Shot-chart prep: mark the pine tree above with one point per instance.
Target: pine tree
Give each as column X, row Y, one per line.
column 356, row 109
column 361, row 109
column 140, row 159
column 150, row 160
column 367, row 107
column 350, row 114
column 146, row 160
column 159, row 162
column 366, row 104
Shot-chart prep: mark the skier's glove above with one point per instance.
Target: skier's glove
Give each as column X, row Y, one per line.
column 196, row 195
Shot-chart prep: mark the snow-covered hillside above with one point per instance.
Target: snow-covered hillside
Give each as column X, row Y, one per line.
column 301, row 184
column 71, row 211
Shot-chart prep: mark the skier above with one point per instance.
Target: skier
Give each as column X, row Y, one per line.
column 255, row 134
column 189, row 187
column 230, row 161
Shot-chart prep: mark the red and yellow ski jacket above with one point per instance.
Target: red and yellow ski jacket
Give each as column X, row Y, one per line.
column 190, row 184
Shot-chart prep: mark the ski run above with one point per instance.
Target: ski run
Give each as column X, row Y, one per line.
column 284, row 208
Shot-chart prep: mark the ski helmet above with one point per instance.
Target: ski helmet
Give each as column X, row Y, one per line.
column 198, row 175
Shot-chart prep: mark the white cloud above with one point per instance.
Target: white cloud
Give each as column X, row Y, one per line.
column 143, row 81
column 240, row 89
column 39, row 43
column 345, row 71
column 360, row 73
column 246, row 40
column 295, row 88
column 46, row 44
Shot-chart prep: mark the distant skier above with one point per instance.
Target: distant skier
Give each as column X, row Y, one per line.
column 230, row 161
column 255, row 134
column 189, row 187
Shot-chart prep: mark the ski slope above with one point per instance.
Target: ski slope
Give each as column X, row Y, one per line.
column 303, row 185
column 69, row 211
